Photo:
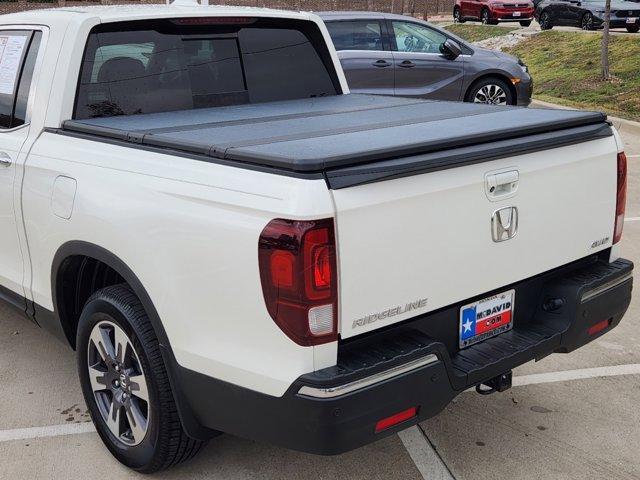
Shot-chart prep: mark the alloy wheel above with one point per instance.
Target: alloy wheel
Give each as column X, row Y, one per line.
column 491, row 94
column 118, row 382
column 544, row 21
column 485, row 17
column 587, row 22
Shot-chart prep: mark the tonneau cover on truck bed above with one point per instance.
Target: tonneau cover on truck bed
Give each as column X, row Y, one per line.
column 352, row 139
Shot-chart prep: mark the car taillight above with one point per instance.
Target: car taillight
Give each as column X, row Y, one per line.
column 299, row 278
column 621, row 197
column 393, row 420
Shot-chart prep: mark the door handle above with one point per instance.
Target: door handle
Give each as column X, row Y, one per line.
column 5, row 159
column 381, row 63
column 407, row 64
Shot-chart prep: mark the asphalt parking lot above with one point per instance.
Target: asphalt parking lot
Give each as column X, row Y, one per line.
column 568, row 416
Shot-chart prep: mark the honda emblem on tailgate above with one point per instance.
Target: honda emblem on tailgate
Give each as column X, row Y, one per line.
column 504, row 224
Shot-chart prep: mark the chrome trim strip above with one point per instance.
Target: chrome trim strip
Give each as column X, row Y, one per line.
column 607, row 286
column 332, row 392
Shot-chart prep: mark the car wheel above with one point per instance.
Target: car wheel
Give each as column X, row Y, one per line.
column 457, row 16
column 587, row 21
column 635, row 29
column 492, row 91
column 125, row 383
column 545, row 21
column 484, row 17
column 525, row 23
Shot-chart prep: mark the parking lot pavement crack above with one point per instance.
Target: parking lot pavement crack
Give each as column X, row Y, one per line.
column 435, row 450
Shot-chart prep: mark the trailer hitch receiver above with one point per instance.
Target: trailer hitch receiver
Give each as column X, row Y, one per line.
column 496, row 384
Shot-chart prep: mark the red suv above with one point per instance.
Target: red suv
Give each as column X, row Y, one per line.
column 490, row 12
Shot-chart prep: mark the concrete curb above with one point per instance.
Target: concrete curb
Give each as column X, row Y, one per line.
column 622, row 124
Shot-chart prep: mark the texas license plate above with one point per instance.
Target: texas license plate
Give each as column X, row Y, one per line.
column 632, row 20
column 486, row 318
column 517, row 14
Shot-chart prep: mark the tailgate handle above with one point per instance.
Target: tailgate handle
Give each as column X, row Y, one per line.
column 503, row 184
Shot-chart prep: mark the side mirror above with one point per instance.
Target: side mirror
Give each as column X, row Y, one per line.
column 450, row 49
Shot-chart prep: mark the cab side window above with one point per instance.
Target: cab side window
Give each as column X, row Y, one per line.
column 356, row 35
column 18, row 54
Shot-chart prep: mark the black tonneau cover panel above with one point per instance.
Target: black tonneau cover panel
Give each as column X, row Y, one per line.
column 353, row 139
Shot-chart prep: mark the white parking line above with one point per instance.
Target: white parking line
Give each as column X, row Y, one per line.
column 583, row 373
column 632, row 219
column 43, row 432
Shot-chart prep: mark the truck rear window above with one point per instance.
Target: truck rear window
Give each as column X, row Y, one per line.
column 181, row 64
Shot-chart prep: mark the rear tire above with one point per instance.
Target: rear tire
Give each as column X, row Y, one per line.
column 485, row 17
column 587, row 22
column 525, row 23
column 545, row 21
column 457, row 15
column 635, row 29
column 125, row 383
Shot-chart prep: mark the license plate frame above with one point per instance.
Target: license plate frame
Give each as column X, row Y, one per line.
column 517, row 14
column 486, row 318
column 632, row 20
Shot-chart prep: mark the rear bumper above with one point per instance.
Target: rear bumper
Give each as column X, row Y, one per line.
column 335, row 410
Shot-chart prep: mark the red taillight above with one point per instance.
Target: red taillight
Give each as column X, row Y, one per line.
column 598, row 327
column 621, row 197
column 299, row 278
column 396, row 419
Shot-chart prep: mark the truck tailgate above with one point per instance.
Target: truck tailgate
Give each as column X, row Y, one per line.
column 418, row 243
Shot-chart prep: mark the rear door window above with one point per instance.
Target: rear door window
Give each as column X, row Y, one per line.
column 356, row 35
column 159, row 66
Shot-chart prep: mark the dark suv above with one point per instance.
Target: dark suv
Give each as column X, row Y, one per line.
column 587, row 14
column 397, row 55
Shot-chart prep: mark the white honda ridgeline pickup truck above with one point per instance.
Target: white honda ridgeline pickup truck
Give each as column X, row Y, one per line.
column 231, row 242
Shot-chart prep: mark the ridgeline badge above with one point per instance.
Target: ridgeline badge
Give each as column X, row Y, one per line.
column 391, row 312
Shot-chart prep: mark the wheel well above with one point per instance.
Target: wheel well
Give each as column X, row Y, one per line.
column 504, row 78
column 78, row 278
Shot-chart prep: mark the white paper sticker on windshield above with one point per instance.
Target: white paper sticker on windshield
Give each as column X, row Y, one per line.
column 11, row 48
